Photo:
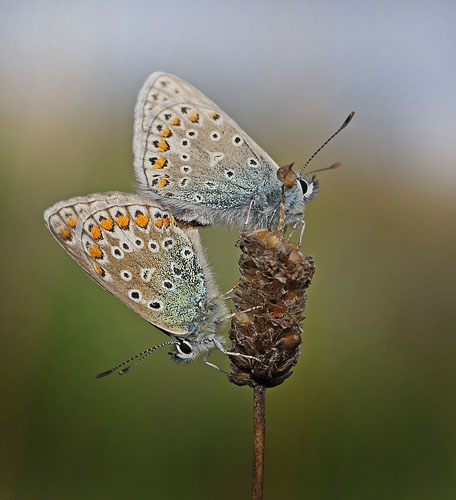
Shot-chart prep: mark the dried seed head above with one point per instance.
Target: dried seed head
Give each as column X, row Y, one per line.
column 274, row 276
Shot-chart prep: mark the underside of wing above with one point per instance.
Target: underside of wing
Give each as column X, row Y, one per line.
column 134, row 249
column 192, row 152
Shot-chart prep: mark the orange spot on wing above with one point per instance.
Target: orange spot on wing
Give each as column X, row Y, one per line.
column 166, row 132
column 166, row 221
column 72, row 222
column 159, row 222
column 142, row 220
column 160, row 162
column 176, row 122
column 122, row 221
column 174, row 221
column 214, row 116
column 65, row 234
column 162, row 145
column 107, row 224
column 100, row 270
column 194, row 117
column 95, row 251
column 162, row 183
column 96, row 232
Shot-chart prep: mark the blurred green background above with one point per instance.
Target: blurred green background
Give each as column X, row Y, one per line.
column 369, row 412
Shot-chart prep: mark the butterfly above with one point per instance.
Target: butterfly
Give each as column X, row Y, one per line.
column 194, row 159
column 137, row 250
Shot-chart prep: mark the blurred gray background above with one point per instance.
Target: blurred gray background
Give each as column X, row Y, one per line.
column 369, row 412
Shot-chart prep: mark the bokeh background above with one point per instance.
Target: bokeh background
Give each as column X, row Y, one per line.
column 369, row 412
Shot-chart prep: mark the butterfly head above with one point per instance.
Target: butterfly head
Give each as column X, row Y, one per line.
column 295, row 197
column 186, row 350
column 296, row 191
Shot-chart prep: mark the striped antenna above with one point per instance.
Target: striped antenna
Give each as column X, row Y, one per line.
column 141, row 356
column 334, row 165
column 346, row 122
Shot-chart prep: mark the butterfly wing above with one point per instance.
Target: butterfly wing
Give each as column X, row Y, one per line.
column 190, row 154
column 135, row 250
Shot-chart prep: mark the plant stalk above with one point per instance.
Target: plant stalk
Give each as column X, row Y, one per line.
column 259, row 422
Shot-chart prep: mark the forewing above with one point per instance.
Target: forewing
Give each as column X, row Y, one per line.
column 135, row 250
column 190, row 150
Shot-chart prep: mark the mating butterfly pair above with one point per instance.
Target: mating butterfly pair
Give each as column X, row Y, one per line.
column 194, row 164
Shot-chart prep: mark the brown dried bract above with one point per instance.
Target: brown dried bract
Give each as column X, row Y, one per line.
column 274, row 276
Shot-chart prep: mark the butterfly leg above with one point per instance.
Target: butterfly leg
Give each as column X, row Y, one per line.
column 293, row 229
column 252, row 202
column 220, row 347
column 232, row 315
column 246, row 222
column 271, row 218
column 302, row 232
column 295, row 226
column 227, row 295
column 303, row 226
column 206, row 356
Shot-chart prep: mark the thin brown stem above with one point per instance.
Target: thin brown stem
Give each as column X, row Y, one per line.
column 269, row 303
column 259, row 421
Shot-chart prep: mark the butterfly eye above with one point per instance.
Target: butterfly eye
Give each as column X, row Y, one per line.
column 304, row 185
column 184, row 347
column 309, row 187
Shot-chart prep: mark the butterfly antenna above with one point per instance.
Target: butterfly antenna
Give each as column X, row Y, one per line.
column 141, row 356
column 334, row 165
column 346, row 122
